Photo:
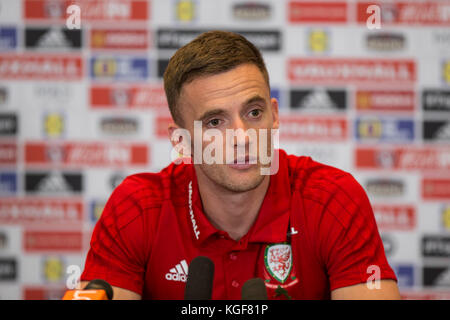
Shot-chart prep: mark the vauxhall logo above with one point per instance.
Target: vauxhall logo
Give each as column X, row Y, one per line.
column 191, row 213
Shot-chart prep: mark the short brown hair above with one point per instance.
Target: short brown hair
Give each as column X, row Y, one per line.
column 212, row 52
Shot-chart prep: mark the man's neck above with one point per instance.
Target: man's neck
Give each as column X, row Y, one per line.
column 229, row 211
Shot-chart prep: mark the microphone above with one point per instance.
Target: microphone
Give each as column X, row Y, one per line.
column 200, row 279
column 96, row 289
column 254, row 289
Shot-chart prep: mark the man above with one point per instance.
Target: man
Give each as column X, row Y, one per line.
column 306, row 229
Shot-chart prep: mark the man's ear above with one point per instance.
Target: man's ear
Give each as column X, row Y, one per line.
column 171, row 129
column 180, row 139
column 274, row 107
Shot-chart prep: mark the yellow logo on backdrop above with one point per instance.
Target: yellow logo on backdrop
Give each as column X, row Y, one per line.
column 185, row 10
column 105, row 67
column 318, row 41
column 363, row 100
column 370, row 129
column 446, row 217
column 98, row 39
column 53, row 269
column 54, row 125
column 97, row 210
column 446, row 72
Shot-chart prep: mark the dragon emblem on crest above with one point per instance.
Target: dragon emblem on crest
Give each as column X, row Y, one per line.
column 278, row 261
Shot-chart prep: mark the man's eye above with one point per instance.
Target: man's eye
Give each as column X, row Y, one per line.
column 213, row 122
column 255, row 113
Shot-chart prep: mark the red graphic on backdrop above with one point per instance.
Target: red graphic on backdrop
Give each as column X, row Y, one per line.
column 420, row 158
column 395, row 217
column 8, row 153
column 129, row 39
column 313, row 128
column 437, row 188
column 161, row 124
column 40, row 211
column 347, row 70
column 317, row 11
column 41, row 66
column 37, row 241
column 86, row 154
column 427, row 13
column 137, row 96
column 91, row 10
column 385, row 100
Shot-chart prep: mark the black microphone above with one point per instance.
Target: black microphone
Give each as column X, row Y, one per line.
column 95, row 290
column 254, row 289
column 200, row 279
column 99, row 284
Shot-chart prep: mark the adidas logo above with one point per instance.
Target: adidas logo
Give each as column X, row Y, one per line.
column 179, row 273
column 54, row 182
column 443, row 279
column 318, row 100
column 443, row 133
column 54, row 38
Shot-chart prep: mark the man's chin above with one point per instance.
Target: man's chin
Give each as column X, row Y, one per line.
column 242, row 179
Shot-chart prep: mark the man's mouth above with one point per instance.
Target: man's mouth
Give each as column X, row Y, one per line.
column 243, row 163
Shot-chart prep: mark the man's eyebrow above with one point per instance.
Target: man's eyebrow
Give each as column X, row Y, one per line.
column 254, row 99
column 211, row 113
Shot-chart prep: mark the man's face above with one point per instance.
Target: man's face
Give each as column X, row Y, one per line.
column 236, row 99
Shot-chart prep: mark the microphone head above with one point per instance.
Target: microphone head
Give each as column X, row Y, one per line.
column 98, row 284
column 254, row 289
column 200, row 279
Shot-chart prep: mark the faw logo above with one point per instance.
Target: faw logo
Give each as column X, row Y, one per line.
column 278, row 261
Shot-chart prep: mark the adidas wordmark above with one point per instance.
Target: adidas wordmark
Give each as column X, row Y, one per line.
column 179, row 273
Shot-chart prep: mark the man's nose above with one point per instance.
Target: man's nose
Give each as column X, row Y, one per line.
column 240, row 138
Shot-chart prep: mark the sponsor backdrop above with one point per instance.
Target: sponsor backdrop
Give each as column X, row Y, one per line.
column 80, row 109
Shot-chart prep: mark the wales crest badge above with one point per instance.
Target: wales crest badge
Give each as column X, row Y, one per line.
column 278, row 261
